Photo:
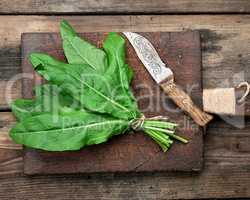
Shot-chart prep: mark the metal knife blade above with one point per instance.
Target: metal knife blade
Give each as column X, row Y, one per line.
column 149, row 57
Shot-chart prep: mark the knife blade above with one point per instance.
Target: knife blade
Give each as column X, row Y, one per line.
column 164, row 76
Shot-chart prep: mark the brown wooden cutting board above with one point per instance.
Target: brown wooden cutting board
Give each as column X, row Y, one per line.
column 129, row 152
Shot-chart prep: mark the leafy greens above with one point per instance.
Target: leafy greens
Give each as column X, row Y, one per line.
column 85, row 101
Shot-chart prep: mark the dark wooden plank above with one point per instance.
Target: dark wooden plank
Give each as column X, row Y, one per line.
column 219, row 184
column 133, row 152
column 10, row 90
column 123, row 6
column 225, row 41
column 226, row 173
column 11, row 161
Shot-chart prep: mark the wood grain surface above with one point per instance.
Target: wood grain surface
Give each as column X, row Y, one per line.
column 226, row 60
column 130, row 152
column 123, row 6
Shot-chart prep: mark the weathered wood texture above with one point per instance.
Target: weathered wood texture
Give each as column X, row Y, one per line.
column 226, row 174
column 225, row 42
column 130, row 152
column 123, row 6
column 226, row 60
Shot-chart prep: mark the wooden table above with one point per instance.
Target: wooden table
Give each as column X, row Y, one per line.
column 225, row 30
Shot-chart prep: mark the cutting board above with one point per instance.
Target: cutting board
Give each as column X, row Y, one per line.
column 134, row 152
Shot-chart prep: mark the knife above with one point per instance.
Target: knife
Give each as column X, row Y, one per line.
column 163, row 76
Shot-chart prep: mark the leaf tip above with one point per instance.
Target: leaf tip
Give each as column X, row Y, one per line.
column 66, row 29
column 34, row 59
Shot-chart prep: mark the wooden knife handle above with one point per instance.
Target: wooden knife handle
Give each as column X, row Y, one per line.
column 184, row 101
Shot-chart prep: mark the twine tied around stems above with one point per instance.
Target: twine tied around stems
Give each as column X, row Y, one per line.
column 137, row 124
